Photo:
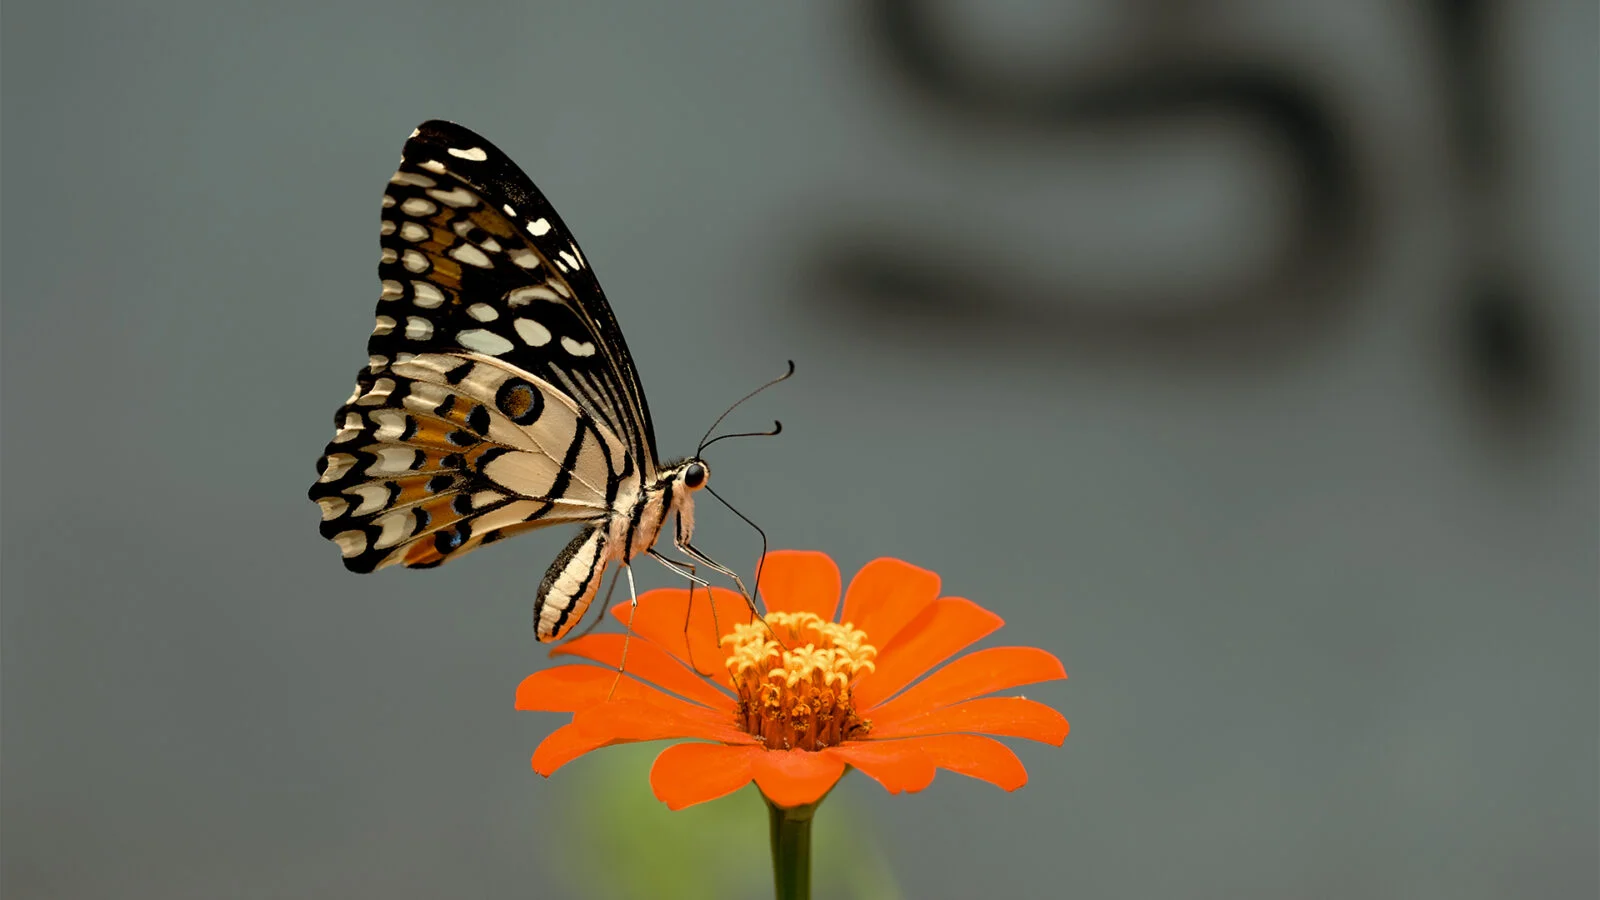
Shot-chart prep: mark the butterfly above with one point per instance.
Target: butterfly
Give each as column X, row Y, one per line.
column 499, row 395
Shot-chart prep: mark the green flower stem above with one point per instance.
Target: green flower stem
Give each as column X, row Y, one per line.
column 791, row 849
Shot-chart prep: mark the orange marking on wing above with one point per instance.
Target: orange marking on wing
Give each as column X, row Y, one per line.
column 412, row 489
column 447, row 272
column 433, row 433
column 492, row 222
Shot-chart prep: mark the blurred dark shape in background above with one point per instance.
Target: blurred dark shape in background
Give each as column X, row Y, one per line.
column 1504, row 353
column 1162, row 77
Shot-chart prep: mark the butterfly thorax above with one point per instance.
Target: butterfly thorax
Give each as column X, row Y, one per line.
column 671, row 494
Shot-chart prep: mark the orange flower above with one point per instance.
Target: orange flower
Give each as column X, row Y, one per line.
column 793, row 701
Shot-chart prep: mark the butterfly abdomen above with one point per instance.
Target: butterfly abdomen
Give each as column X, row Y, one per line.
column 570, row 583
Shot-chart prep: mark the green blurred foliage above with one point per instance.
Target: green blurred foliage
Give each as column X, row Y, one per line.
column 624, row 844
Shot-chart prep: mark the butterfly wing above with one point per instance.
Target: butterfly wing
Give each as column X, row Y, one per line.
column 445, row 452
column 499, row 394
column 506, row 277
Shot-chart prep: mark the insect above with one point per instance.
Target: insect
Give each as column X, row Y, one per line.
column 499, row 395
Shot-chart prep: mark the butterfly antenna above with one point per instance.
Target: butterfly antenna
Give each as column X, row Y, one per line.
column 777, row 429
column 707, row 440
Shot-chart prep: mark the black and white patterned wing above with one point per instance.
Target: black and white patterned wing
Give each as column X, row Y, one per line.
column 499, row 394
column 444, row 452
column 501, row 275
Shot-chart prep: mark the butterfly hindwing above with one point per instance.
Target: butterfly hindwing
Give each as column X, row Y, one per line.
column 443, row 453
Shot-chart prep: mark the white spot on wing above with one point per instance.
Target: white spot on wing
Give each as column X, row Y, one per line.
column 524, row 258
column 333, row 507
column 412, row 178
column 351, row 428
column 471, row 255
column 384, row 326
column 373, row 497
column 585, row 348
column 538, row 227
column 415, row 262
column 396, row 528
column 476, row 154
column 351, row 543
column 418, row 328
column 388, row 255
column 570, row 260
column 457, row 197
column 413, row 232
column 381, row 389
column 392, row 461
column 427, row 296
column 522, row 296
column 433, row 165
column 392, row 290
column 416, row 206
column 509, row 210
column 337, row 465
column 386, row 227
column 483, row 312
column 391, row 424
column 483, row 341
column 388, row 201
column 535, row 334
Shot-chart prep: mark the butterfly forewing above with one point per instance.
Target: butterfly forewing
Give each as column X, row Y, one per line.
column 475, row 258
column 499, row 395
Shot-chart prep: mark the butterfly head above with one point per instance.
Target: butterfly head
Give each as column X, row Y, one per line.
column 692, row 473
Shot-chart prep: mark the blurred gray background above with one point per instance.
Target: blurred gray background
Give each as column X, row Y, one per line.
column 1241, row 354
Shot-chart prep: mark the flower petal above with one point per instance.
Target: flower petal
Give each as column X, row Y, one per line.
column 800, row 581
column 975, row 756
column 973, row 675
column 1008, row 716
column 649, row 662
column 945, row 627
column 795, row 777
column 627, row 721
column 897, row 765
column 885, row 595
column 564, row 745
column 663, row 615
column 640, row 720
column 571, row 688
column 686, row 774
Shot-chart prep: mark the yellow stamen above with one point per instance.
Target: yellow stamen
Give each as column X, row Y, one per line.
column 799, row 697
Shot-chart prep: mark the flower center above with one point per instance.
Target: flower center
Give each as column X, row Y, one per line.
column 798, row 697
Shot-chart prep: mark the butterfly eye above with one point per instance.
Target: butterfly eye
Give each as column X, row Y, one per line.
column 694, row 476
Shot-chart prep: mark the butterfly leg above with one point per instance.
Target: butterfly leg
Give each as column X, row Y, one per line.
column 755, row 614
column 695, row 554
column 687, row 570
column 633, row 609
